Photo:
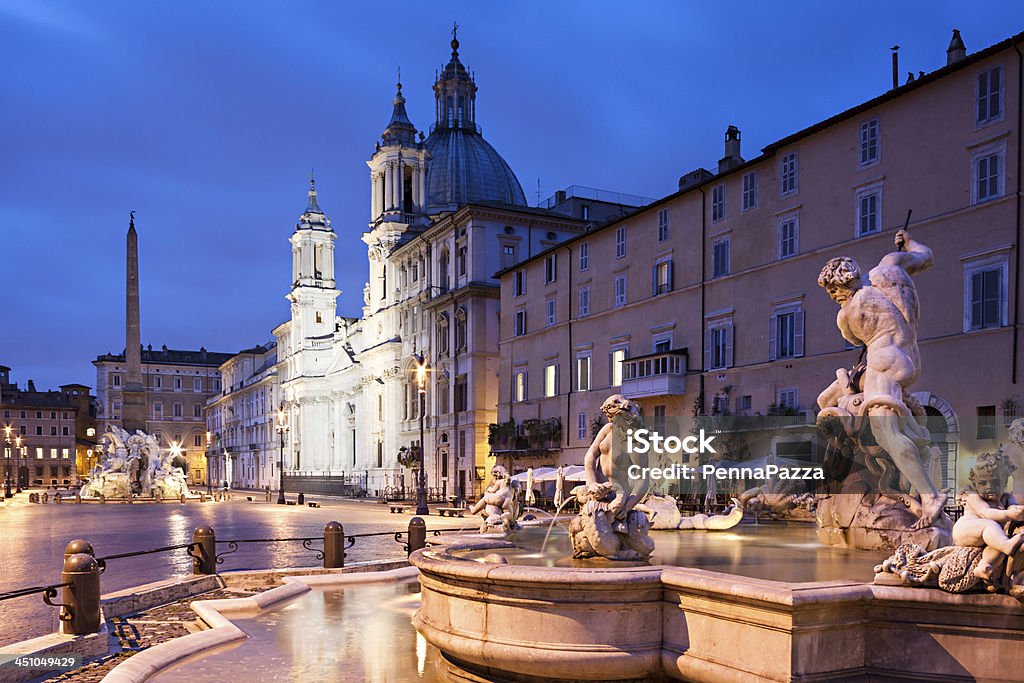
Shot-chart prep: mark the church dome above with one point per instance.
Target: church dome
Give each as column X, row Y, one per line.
column 465, row 168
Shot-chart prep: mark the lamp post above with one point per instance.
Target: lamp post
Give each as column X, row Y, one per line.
column 282, row 429
column 7, row 462
column 421, row 484
column 209, row 462
column 17, row 464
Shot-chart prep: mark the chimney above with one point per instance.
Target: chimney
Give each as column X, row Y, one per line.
column 956, row 50
column 559, row 197
column 895, row 66
column 732, row 157
column 32, row 385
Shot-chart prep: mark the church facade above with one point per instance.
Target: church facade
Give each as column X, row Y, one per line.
column 446, row 214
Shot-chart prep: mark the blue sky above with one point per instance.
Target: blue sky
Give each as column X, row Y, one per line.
column 205, row 119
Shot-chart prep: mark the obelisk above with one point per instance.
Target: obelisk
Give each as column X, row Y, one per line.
column 133, row 394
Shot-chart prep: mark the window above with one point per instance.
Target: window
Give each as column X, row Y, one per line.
column 750, row 191
column 506, row 250
column 663, row 225
column 585, row 256
column 986, row 422
column 550, row 268
column 460, row 261
column 197, row 440
column 618, row 357
column 197, row 410
column 177, row 410
column 584, row 301
column 718, row 344
column 620, row 242
column 519, row 283
column 158, row 409
column 550, row 380
column 869, row 210
column 718, row 203
column 158, row 382
column 720, row 257
column 661, row 278
column 53, row 431
column 64, row 431
column 585, row 212
column 319, row 319
column 117, row 380
column 583, row 372
column 39, row 431
column 177, row 380
column 442, row 333
column 461, row 393
column 520, row 323
column 519, row 386
column 787, row 236
column 39, row 453
column 788, row 179
column 786, row 333
column 581, row 425
column 869, row 143
column 744, row 403
column 460, row 331
column 115, row 409
column 197, row 384
column 988, row 173
column 65, row 453
column 990, row 95
column 663, row 345
column 787, row 399
column 985, row 293
column 620, row 290
column 549, row 312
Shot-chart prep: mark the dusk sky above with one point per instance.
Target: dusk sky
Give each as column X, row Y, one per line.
column 206, row 118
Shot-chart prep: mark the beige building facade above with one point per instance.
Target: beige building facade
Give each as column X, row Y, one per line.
column 707, row 299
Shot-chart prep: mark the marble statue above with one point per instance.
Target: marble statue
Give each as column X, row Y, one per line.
column 498, row 507
column 134, row 466
column 609, row 525
column 663, row 513
column 870, row 419
column 987, row 540
column 1015, row 452
column 779, row 499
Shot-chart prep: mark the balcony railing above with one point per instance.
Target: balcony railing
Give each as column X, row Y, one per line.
column 657, row 374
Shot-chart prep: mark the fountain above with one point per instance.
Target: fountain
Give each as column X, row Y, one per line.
column 498, row 612
column 135, row 466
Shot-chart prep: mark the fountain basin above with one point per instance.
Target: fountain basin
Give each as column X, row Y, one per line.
column 512, row 622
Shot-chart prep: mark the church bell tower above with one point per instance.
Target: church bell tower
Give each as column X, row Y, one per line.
column 313, row 294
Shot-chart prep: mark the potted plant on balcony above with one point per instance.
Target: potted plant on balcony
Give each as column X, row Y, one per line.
column 501, row 435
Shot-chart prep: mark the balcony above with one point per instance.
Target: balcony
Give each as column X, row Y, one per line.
column 656, row 374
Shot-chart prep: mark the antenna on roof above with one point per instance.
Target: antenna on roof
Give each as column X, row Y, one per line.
column 538, row 191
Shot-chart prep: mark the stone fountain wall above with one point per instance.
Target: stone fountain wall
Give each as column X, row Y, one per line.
column 548, row 623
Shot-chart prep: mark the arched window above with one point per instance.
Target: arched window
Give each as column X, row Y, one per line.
column 450, row 113
column 442, row 270
column 462, row 107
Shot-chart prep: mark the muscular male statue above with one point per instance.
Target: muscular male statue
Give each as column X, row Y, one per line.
column 883, row 317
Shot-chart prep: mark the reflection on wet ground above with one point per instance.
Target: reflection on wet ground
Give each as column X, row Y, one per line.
column 360, row 633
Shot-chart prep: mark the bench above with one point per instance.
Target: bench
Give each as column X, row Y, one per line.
column 313, row 504
column 400, row 508
column 289, row 502
column 452, row 512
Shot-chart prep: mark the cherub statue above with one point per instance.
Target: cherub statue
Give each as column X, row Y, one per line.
column 990, row 514
column 882, row 317
column 1015, row 452
column 608, row 525
column 987, row 539
column 498, row 506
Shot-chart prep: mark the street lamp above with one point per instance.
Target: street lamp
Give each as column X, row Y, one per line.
column 282, row 429
column 7, row 462
column 209, row 463
column 17, row 464
column 421, row 484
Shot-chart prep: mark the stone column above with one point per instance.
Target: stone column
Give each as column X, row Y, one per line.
column 400, row 189
column 373, row 196
column 388, row 189
column 423, row 188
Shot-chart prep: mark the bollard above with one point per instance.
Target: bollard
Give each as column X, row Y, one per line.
column 417, row 534
column 78, row 546
column 80, row 608
column 204, row 559
column 78, row 498
column 302, row 499
column 202, row 497
column 334, row 545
